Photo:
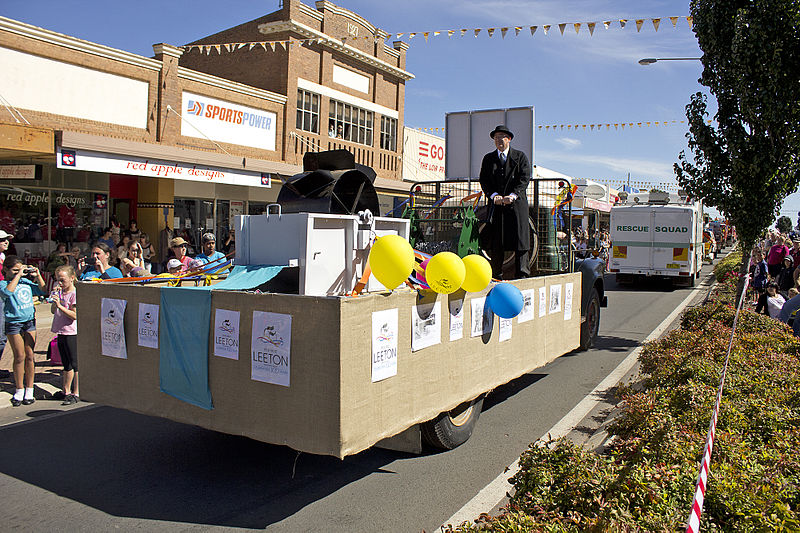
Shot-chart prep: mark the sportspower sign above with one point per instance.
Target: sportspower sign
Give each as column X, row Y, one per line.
column 227, row 122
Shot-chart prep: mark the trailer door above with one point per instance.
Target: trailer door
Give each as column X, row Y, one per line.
column 631, row 235
column 673, row 250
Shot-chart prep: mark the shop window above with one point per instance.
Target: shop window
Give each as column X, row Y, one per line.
column 350, row 123
column 193, row 217
column 389, row 133
column 307, row 111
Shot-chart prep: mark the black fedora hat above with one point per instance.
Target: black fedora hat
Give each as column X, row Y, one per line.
column 501, row 129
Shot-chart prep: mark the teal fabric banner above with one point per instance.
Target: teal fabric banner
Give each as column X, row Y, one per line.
column 184, row 324
column 245, row 277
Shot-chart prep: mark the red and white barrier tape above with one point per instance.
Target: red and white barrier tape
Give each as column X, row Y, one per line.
column 693, row 526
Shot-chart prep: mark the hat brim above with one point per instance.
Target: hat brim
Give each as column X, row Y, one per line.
column 501, row 130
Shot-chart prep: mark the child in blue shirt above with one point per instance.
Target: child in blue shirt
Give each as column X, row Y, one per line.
column 17, row 293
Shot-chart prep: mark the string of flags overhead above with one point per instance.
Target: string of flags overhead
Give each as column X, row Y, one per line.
column 286, row 44
column 591, row 127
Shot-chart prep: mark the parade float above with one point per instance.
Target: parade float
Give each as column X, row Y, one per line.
column 333, row 334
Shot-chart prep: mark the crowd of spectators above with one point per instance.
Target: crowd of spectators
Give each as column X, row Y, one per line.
column 775, row 276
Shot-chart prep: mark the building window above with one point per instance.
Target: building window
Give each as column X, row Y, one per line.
column 307, row 111
column 350, row 123
column 389, row 133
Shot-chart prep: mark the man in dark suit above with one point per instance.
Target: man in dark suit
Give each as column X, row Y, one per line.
column 504, row 177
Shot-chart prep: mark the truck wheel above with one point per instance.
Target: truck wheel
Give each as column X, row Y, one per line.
column 453, row 428
column 591, row 324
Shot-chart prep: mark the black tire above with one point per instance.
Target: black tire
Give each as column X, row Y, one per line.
column 591, row 325
column 452, row 429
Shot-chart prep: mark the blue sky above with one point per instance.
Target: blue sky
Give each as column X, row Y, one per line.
column 570, row 79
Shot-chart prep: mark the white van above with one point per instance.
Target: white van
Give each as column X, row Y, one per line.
column 657, row 239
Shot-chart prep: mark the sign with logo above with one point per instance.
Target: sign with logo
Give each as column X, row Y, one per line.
column 555, row 299
column 384, row 344
column 528, row 301
column 504, row 329
column 112, row 328
column 148, row 325
column 20, row 172
column 270, row 348
column 456, row 319
column 205, row 117
column 567, row 301
column 424, row 156
column 426, row 327
column 226, row 333
column 481, row 317
column 542, row 301
column 155, row 168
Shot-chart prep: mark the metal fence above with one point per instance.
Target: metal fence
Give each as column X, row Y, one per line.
column 450, row 216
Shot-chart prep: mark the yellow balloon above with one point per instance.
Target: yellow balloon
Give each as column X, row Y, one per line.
column 478, row 273
column 445, row 272
column 391, row 259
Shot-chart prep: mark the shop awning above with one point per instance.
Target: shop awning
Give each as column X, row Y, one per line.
column 18, row 141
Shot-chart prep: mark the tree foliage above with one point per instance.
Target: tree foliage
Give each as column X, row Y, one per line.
column 748, row 161
column 784, row 224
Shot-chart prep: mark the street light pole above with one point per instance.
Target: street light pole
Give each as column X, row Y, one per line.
column 651, row 60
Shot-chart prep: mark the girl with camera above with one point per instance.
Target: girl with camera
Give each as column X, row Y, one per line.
column 17, row 291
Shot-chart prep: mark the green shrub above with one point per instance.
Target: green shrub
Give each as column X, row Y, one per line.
column 729, row 264
column 645, row 481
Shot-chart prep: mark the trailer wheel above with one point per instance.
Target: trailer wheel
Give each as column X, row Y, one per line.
column 591, row 324
column 453, row 428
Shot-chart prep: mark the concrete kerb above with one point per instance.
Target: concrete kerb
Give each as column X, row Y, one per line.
column 48, row 376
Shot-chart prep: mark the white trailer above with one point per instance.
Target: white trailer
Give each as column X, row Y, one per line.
column 657, row 239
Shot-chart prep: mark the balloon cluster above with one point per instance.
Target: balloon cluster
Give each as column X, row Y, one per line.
column 392, row 262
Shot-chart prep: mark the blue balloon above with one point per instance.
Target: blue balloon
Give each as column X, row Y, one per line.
column 505, row 300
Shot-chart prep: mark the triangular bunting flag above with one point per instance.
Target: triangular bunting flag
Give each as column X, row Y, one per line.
column 503, row 32
column 517, row 29
column 591, row 26
column 674, row 21
column 690, row 20
column 436, row 33
column 561, row 27
column 584, row 126
column 647, row 123
column 477, row 31
column 533, row 30
column 411, row 35
column 400, row 35
column 217, row 47
column 283, row 44
column 606, row 23
column 656, row 22
column 425, row 34
column 577, row 27
column 450, row 33
column 616, row 126
column 591, row 127
column 569, row 126
column 639, row 23
column 463, row 31
column 623, row 126
column 622, row 22
column 228, row 47
column 272, row 45
column 252, row 45
column 546, row 28
column 241, row 45
column 490, row 31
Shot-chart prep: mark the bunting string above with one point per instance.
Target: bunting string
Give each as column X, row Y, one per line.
column 589, row 27
column 590, row 127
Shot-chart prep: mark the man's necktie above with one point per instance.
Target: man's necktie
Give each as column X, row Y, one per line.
column 502, row 158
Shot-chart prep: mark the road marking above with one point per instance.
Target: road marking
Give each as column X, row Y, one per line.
column 494, row 493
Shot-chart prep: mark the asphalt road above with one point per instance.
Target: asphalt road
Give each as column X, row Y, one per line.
column 97, row 468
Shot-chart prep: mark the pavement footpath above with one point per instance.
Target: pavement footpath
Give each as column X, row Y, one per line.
column 48, row 376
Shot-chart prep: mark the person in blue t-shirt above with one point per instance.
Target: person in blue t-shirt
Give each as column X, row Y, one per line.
column 210, row 255
column 17, row 293
column 99, row 267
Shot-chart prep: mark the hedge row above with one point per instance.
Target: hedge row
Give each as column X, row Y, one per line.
column 645, row 481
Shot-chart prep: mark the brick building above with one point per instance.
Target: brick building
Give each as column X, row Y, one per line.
column 184, row 140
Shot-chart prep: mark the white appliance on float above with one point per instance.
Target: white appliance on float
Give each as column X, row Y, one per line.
column 329, row 252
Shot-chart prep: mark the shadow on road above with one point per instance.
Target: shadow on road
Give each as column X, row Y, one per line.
column 135, row 466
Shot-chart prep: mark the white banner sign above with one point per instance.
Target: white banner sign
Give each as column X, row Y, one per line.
column 138, row 166
column 542, row 301
column 555, row 299
column 528, row 306
column 456, row 319
column 227, row 122
column 481, row 317
column 148, row 325
column 270, row 346
column 384, row 344
column 426, row 327
column 226, row 333
column 567, row 301
column 504, row 332
column 112, row 328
